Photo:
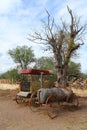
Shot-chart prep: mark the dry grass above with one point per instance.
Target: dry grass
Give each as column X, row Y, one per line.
column 78, row 92
column 9, row 86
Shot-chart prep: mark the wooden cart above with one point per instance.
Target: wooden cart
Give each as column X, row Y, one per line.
column 25, row 76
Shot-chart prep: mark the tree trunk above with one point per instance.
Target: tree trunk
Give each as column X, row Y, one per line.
column 62, row 76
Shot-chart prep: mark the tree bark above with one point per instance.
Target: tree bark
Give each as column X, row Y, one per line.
column 62, row 76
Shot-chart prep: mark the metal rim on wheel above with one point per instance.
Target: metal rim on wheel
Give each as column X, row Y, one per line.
column 49, row 106
column 75, row 101
column 33, row 104
column 19, row 99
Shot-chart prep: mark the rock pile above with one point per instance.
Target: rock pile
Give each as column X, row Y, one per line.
column 81, row 84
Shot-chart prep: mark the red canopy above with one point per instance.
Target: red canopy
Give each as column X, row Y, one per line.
column 36, row 71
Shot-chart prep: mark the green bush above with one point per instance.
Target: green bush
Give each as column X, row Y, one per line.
column 35, row 85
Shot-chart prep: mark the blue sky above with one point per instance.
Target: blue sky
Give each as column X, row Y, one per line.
column 19, row 17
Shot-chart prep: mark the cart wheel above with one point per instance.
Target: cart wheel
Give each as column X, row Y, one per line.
column 33, row 104
column 52, row 106
column 75, row 101
column 19, row 99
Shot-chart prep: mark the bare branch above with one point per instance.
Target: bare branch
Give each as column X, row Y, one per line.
column 48, row 17
column 62, row 40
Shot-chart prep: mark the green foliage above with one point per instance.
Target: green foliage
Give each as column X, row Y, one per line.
column 23, row 55
column 83, row 75
column 74, row 70
column 47, row 63
column 12, row 75
column 48, row 83
column 35, row 85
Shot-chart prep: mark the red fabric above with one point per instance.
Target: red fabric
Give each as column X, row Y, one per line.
column 35, row 71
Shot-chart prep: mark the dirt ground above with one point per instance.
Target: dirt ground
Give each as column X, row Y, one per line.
column 19, row 117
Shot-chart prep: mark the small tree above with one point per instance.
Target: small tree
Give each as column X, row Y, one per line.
column 62, row 40
column 23, row 55
column 12, row 75
column 45, row 63
column 74, row 71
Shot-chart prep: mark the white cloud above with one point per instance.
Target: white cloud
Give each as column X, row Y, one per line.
column 78, row 7
column 8, row 5
column 82, row 59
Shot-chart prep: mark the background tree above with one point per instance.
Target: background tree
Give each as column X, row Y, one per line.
column 63, row 40
column 47, row 63
column 74, row 71
column 12, row 75
column 83, row 76
column 23, row 55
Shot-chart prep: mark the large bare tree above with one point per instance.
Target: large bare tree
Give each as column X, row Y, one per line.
column 63, row 40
